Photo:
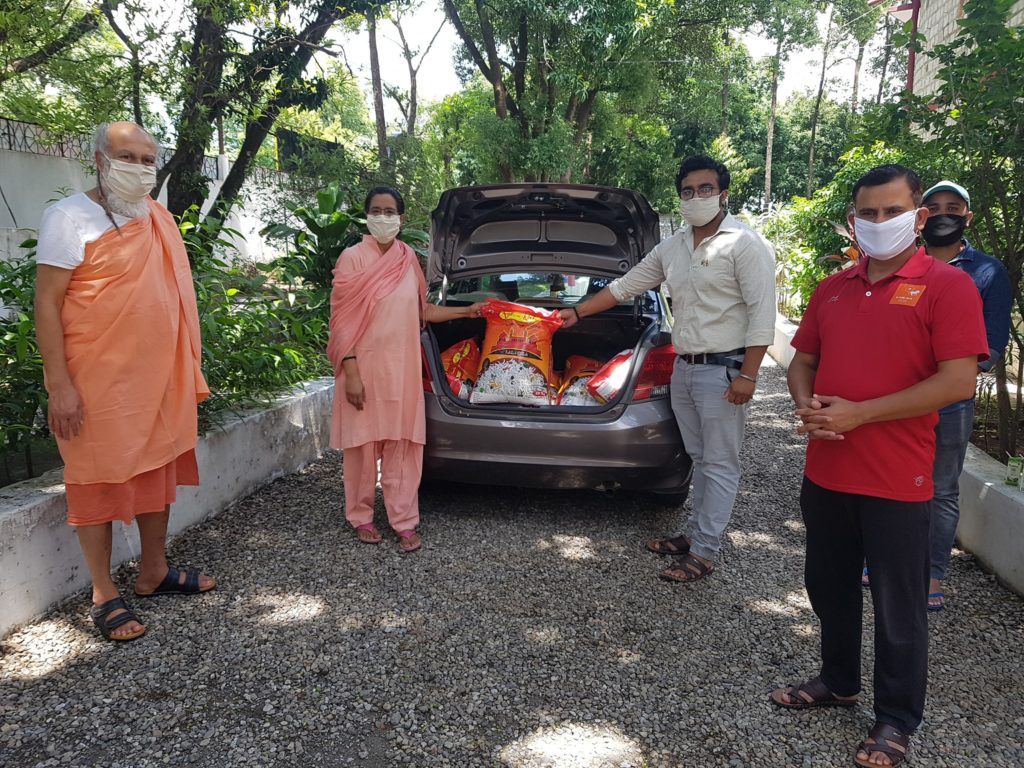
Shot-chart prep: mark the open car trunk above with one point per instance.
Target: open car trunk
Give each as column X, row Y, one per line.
column 600, row 337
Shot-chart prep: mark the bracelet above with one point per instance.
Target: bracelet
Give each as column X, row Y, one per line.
column 349, row 357
column 748, row 378
column 578, row 318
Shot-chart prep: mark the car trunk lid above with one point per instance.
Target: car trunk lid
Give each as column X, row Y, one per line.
column 539, row 227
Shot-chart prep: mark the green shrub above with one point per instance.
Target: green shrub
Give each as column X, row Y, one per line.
column 807, row 233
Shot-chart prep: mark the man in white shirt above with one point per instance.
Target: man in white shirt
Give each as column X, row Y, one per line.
column 721, row 276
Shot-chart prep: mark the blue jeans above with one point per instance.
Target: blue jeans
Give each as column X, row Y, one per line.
column 712, row 430
column 952, row 434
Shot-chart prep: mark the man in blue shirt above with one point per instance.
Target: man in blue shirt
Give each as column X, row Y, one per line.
column 949, row 207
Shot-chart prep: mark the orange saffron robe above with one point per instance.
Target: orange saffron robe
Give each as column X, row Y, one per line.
column 131, row 338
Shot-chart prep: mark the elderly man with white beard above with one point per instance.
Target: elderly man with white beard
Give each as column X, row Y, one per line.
column 118, row 332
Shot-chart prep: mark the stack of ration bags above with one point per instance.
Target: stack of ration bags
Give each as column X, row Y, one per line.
column 515, row 363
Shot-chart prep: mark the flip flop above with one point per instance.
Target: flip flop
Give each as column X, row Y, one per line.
column 171, row 586
column 864, row 580
column 368, row 534
column 408, row 541
column 940, row 606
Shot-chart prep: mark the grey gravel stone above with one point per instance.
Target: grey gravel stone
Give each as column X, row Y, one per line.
column 530, row 631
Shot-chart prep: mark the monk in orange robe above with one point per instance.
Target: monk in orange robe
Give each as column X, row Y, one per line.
column 118, row 331
column 378, row 306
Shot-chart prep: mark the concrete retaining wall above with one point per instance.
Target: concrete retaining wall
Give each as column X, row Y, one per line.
column 991, row 512
column 40, row 561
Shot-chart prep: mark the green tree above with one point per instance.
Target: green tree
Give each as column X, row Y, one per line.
column 790, row 25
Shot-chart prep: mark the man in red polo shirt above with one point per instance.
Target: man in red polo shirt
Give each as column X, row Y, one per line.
column 882, row 347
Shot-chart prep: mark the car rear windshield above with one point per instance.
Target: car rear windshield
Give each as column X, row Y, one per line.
column 538, row 289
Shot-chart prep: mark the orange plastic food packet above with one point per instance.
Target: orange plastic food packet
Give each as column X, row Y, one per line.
column 606, row 384
column 462, row 360
column 516, row 355
column 573, row 390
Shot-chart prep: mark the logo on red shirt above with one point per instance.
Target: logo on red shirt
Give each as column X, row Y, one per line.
column 908, row 295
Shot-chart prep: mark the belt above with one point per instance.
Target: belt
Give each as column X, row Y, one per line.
column 716, row 358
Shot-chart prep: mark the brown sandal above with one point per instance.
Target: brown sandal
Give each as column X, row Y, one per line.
column 809, row 695
column 883, row 738
column 686, row 569
column 679, row 546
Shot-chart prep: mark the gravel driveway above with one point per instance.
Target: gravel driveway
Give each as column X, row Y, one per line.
column 530, row 631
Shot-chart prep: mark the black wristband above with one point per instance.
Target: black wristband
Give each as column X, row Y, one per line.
column 348, row 357
column 578, row 318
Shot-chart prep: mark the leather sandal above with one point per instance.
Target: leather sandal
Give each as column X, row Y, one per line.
column 172, row 584
column 678, row 545
column 106, row 626
column 887, row 740
column 686, row 569
column 810, row 695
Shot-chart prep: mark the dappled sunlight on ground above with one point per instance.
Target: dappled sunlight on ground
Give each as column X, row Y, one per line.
column 289, row 608
column 544, row 635
column 793, row 605
column 573, row 745
column 569, row 547
column 44, row 648
column 628, row 657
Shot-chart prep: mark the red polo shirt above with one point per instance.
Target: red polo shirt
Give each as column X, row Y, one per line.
column 874, row 339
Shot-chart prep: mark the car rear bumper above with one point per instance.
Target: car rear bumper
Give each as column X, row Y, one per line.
column 636, row 447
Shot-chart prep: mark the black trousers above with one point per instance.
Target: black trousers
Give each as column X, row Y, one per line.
column 843, row 531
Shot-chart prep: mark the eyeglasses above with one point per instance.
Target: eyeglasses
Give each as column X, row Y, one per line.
column 704, row 190
column 383, row 212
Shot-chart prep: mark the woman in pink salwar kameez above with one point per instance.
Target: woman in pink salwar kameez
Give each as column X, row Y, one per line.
column 378, row 306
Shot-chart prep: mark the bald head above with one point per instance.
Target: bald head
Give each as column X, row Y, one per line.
column 125, row 140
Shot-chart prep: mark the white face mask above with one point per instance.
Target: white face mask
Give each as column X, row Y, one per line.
column 698, row 211
column 131, row 182
column 887, row 239
column 384, row 228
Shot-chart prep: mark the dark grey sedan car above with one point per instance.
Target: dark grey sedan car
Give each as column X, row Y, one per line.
column 550, row 246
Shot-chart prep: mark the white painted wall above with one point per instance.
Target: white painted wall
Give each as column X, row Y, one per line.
column 40, row 560
column 30, row 182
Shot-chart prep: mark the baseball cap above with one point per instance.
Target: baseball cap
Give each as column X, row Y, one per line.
column 949, row 186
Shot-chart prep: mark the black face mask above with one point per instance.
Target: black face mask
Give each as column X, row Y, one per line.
column 944, row 230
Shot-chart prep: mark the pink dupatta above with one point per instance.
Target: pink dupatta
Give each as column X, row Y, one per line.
column 354, row 294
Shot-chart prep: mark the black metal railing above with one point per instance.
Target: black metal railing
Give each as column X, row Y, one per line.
column 19, row 136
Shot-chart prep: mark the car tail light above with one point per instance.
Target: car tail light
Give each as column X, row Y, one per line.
column 656, row 373
column 428, row 381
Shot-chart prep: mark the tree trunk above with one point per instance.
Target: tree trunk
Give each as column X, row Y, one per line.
column 817, row 102
column 886, row 56
column 378, row 94
column 771, row 127
column 586, row 108
column 857, row 64
column 133, row 49
column 725, row 85
column 187, row 186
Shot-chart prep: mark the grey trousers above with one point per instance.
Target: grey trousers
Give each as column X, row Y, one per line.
column 712, row 430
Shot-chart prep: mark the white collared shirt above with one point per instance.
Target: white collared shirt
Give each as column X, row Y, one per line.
column 723, row 293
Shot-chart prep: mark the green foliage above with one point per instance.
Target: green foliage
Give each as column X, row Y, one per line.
column 22, row 396
column 260, row 338
column 806, row 233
